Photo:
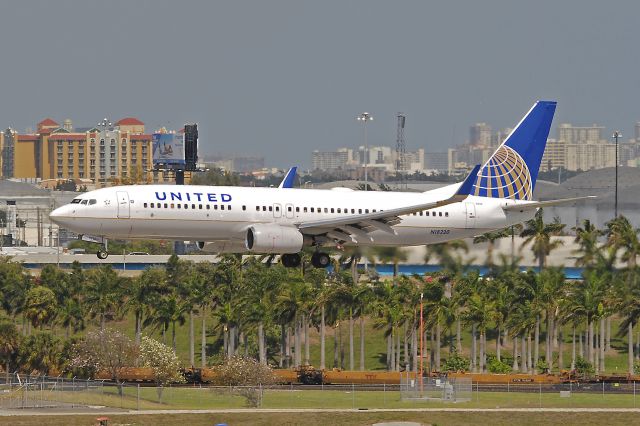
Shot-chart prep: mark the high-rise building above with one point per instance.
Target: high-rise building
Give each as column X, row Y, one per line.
column 480, row 135
column 332, row 160
column 569, row 133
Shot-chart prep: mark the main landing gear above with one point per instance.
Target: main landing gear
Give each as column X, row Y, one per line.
column 291, row 260
column 320, row 260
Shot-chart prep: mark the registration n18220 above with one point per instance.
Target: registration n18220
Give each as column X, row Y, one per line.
column 439, row 232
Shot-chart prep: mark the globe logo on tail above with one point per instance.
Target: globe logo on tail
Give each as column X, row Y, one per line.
column 505, row 175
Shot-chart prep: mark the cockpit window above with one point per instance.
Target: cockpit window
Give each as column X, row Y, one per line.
column 84, row 202
column 92, row 201
column 76, row 201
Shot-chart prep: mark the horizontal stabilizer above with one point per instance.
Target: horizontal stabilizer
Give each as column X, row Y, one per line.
column 521, row 207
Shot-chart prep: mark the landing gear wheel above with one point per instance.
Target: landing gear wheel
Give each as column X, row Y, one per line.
column 291, row 260
column 320, row 260
column 102, row 254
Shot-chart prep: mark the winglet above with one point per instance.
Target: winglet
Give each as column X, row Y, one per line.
column 467, row 184
column 289, row 178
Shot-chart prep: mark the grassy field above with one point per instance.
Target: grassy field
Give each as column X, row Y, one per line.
column 146, row 398
column 347, row 419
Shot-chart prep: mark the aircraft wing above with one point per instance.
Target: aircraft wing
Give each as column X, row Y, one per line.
column 359, row 226
column 521, row 207
column 289, row 178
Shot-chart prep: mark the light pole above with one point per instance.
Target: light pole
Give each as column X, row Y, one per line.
column 105, row 124
column 365, row 117
column 616, row 135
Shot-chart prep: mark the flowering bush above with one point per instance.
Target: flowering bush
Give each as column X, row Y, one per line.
column 246, row 377
column 163, row 361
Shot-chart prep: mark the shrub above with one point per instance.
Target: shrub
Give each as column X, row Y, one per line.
column 246, row 377
column 455, row 362
column 584, row 367
column 499, row 367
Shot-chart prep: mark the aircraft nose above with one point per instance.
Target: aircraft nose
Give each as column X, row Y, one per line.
column 60, row 215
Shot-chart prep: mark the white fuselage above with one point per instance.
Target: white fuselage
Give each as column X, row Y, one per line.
column 222, row 215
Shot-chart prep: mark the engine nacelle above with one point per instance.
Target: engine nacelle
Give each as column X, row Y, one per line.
column 221, row 246
column 274, row 239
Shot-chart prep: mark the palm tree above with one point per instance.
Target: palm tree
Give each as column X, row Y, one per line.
column 9, row 344
column 490, row 238
column 627, row 301
column 479, row 311
column 393, row 255
column 143, row 294
column 587, row 238
column 622, row 235
column 40, row 306
column 540, row 233
column 103, row 293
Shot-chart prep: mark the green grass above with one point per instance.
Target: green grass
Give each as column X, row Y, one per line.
column 145, row 398
column 346, row 419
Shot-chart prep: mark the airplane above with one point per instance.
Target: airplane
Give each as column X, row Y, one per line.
column 282, row 221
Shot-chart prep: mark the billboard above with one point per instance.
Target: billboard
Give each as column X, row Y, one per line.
column 168, row 149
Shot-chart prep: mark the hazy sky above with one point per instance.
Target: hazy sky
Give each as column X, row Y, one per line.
column 281, row 78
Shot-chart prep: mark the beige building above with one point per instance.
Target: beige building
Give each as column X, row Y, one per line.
column 121, row 154
column 578, row 148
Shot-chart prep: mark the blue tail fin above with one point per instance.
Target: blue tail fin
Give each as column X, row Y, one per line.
column 512, row 170
column 289, row 178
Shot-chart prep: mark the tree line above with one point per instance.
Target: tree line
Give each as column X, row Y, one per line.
column 251, row 308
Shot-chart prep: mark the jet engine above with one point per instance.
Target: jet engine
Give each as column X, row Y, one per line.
column 274, row 239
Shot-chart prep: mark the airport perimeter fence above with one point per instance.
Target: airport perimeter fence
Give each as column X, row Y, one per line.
column 40, row 392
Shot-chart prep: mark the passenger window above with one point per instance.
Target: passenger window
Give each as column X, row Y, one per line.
column 297, row 209
column 172, row 205
column 289, row 209
column 200, row 206
column 153, row 205
column 179, row 206
column 277, row 208
column 208, row 207
column 332, row 210
column 193, row 206
column 270, row 208
column 366, row 210
column 222, row 207
column 159, row 205
column 353, row 210
column 304, row 210
column 165, row 205
column 326, row 210
column 374, row 210
column 257, row 208
column 311, row 210
column 145, row 205
column 446, row 214
column 440, row 214
column 186, row 206
column 421, row 214
column 92, row 201
column 244, row 208
column 264, row 208
column 339, row 210
column 359, row 211
column 229, row 207
column 215, row 207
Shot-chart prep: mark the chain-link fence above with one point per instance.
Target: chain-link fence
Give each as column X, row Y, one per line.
column 38, row 392
column 458, row 389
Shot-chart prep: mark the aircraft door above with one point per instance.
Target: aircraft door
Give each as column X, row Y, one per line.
column 288, row 210
column 123, row 204
column 277, row 210
column 470, row 215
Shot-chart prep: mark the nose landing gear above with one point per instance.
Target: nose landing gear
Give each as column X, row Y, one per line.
column 103, row 253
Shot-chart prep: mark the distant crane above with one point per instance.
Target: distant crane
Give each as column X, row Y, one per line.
column 401, row 154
